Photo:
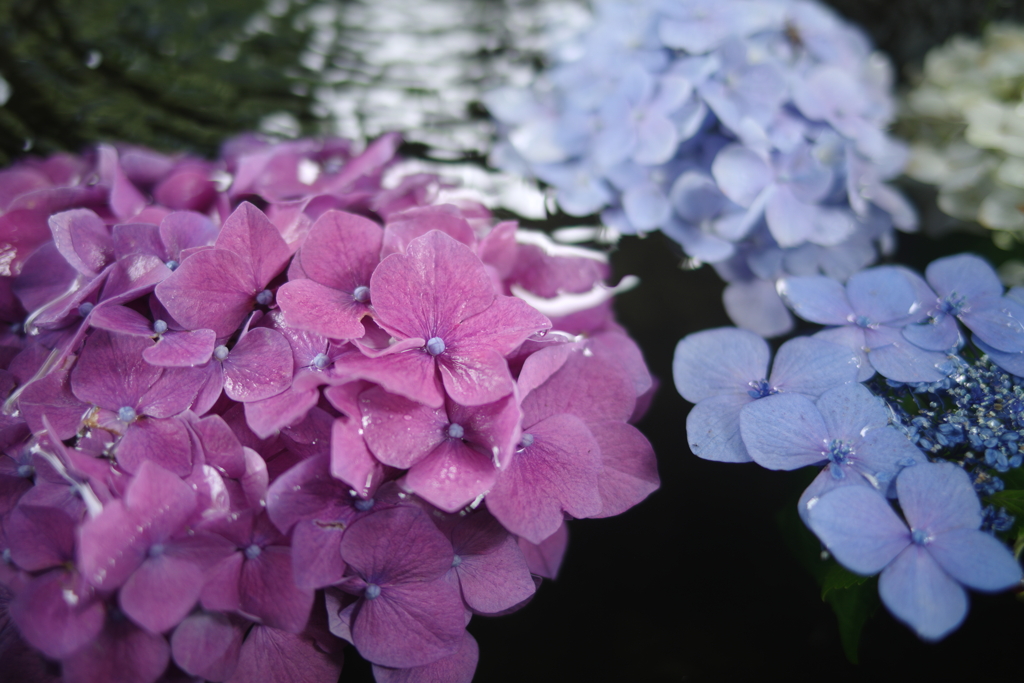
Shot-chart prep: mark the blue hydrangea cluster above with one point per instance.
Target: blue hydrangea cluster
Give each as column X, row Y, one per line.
column 891, row 403
column 974, row 417
column 752, row 133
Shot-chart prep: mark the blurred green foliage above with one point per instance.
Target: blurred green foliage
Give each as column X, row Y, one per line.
column 153, row 72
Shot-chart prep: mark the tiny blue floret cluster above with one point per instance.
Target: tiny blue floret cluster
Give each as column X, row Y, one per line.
column 750, row 132
column 911, row 402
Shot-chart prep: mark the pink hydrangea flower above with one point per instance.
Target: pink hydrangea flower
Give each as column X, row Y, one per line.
column 239, row 440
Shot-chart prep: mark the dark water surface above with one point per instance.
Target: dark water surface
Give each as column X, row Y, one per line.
column 696, row 583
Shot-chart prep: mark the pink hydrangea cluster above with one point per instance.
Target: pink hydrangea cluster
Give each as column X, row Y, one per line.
column 260, row 406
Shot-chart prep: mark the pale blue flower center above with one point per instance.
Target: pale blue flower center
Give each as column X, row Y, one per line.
column 953, row 304
column 526, row 441
column 372, row 591
column 126, row 414
column 221, row 352
column 839, row 451
column 361, row 294
column 364, row 505
column 172, row 264
column 159, row 326
column 919, row 537
column 435, row 346
column 156, row 550
column 862, row 321
column 84, row 309
column 320, row 361
column 456, row 561
column 26, row 471
column 252, row 552
column 456, row 431
column 265, row 297
column 838, row 455
column 760, row 388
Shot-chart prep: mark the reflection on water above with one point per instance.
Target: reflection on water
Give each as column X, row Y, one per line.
column 186, row 79
column 421, row 67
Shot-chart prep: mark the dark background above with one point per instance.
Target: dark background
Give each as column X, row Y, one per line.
column 696, row 583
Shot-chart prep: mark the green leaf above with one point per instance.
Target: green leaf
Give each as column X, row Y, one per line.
column 1014, row 479
column 838, row 577
column 853, row 606
column 1013, row 501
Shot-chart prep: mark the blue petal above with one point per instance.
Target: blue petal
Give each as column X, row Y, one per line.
column 882, row 294
column 941, row 334
column 859, row 527
column 896, row 358
column 783, row 432
column 646, row 207
column 966, row 274
column 755, row 306
column 740, row 174
column 657, row 139
column 852, row 338
column 719, row 361
column 938, row 497
column 812, row 366
column 919, row 593
column 1011, row 362
column 850, row 410
column 698, row 244
column 790, row 220
column 817, row 299
column 999, row 322
column 713, row 428
column 695, row 196
column 976, row 559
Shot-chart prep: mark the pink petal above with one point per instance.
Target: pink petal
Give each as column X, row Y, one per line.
column 455, row 668
column 164, row 442
column 630, row 468
column 545, row 558
column 430, row 289
column 452, row 476
column 248, row 233
column 210, row 289
column 341, row 251
column 400, row 432
column 270, row 655
column 403, row 228
column 259, row 366
column 415, row 552
column 122, row 652
column 351, row 461
column 83, row 239
column 267, row 590
column 206, row 644
column 333, row 313
column 182, row 349
column 316, row 554
column 270, row 415
column 410, row 625
column 557, row 472
column 161, row 592
column 57, row 613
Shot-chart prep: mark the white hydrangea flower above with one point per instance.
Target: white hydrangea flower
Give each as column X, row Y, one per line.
column 966, row 121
